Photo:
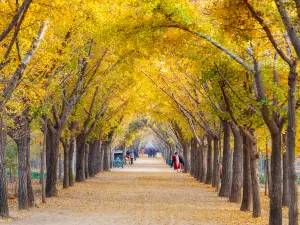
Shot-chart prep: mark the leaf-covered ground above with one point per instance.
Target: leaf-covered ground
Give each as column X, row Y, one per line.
column 143, row 197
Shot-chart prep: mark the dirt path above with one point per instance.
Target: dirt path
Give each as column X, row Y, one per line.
column 148, row 192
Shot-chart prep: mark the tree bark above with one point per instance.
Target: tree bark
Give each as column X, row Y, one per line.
column 285, row 164
column 86, row 162
column 203, row 157
column 92, row 158
column 247, row 187
column 31, row 199
column 22, row 171
column 66, row 147
column 268, row 178
column 71, row 154
column 186, row 157
column 276, row 193
column 291, row 139
column 106, row 157
column 52, row 143
column 199, row 161
column 225, row 189
column 237, row 166
column 101, row 159
column 193, row 157
column 4, row 212
column 254, row 177
column 216, row 171
column 59, row 167
column 80, row 158
column 209, row 161
column 21, row 135
column 43, row 164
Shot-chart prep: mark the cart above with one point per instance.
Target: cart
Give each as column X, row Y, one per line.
column 118, row 160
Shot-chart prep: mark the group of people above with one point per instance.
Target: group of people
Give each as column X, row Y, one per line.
column 178, row 162
column 132, row 156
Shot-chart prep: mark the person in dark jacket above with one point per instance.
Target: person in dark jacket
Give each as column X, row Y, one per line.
column 181, row 160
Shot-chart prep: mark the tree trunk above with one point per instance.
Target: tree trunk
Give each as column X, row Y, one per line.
column 43, row 165
column 254, row 178
column 71, row 154
column 291, row 139
column 80, row 158
column 203, row 157
column 101, row 158
column 268, row 174
column 225, row 189
column 106, row 157
column 52, row 143
column 30, row 193
column 209, row 161
column 216, row 171
column 275, row 217
column 4, row 212
column 193, row 157
column 285, row 165
column 266, row 179
column 199, row 162
column 66, row 163
column 186, row 157
column 22, row 172
column 247, row 188
column 86, row 163
column 92, row 157
column 59, row 167
column 237, row 166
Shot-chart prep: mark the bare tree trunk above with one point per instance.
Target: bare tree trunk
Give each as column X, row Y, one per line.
column 106, row 157
column 52, row 144
column 209, row 161
column 199, row 161
column 247, row 187
column 59, row 167
column 276, row 173
column 291, row 139
column 22, row 171
column 71, row 154
column 43, row 164
column 216, row 171
column 254, row 178
column 4, row 212
column 66, row 147
column 268, row 174
column 80, row 158
column 30, row 193
column 237, row 167
column 203, row 157
column 226, row 163
column 186, row 157
column 285, row 164
column 86, row 164
column 266, row 179
column 193, row 157
column 101, row 158
column 92, row 158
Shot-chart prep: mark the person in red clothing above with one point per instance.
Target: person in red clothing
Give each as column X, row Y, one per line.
column 176, row 162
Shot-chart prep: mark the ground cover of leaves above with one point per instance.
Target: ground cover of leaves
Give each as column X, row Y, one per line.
column 139, row 198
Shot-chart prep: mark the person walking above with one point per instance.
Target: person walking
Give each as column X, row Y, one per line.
column 176, row 162
column 131, row 158
column 181, row 163
column 136, row 154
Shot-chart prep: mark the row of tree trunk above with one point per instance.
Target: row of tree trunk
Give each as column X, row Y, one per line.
column 239, row 178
